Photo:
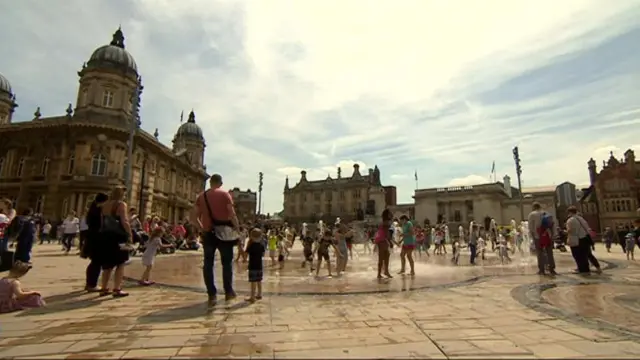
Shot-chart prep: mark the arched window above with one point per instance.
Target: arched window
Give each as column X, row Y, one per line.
column 45, row 166
column 72, row 164
column 20, row 167
column 1, row 166
column 107, row 99
column 98, row 165
column 39, row 205
column 84, row 97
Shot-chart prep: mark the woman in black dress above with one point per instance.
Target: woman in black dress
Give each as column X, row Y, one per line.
column 115, row 240
column 94, row 222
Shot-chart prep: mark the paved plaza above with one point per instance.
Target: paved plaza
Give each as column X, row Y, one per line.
column 488, row 311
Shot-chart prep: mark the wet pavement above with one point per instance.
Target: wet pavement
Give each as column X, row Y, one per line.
column 490, row 311
column 360, row 277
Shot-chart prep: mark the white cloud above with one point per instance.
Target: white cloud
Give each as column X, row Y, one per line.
column 399, row 176
column 279, row 86
column 469, row 180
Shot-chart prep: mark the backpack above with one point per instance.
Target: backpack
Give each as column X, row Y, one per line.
column 546, row 222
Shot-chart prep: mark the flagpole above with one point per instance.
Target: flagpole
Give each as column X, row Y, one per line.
column 415, row 175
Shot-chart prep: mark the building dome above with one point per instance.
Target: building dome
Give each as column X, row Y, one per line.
column 113, row 55
column 190, row 129
column 5, row 85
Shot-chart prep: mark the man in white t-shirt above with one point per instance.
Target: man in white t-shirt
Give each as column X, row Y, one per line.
column 70, row 229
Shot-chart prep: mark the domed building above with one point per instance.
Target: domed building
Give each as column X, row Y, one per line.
column 57, row 164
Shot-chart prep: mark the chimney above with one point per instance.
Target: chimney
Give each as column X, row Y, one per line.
column 303, row 176
column 507, row 185
column 592, row 171
column 339, row 173
column 286, row 184
column 356, row 170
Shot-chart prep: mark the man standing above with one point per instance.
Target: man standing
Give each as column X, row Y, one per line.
column 215, row 218
column 539, row 232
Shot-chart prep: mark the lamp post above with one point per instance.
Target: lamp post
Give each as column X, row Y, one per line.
column 516, row 158
column 134, row 126
column 260, row 183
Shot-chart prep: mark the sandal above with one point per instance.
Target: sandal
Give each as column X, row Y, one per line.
column 117, row 293
column 104, row 292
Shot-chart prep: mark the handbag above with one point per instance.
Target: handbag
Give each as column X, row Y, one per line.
column 587, row 237
column 111, row 224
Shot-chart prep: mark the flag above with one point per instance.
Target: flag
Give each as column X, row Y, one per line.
column 415, row 175
column 181, row 116
column 493, row 167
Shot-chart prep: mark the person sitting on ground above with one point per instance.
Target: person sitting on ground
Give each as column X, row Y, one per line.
column 12, row 296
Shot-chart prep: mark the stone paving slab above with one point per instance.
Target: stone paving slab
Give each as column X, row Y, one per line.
column 474, row 320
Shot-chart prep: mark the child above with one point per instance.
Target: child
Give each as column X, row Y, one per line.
column 324, row 244
column 482, row 244
column 152, row 246
column 255, row 251
column 273, row 247
column 503, row 249
column 456, row 252
column 307, row 250
column 12, row 297
column 282, row 251
column 630, row 244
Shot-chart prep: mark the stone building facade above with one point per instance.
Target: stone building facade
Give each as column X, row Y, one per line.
column 245, row 204
column 613, row 196
column 459, row 205
column 349, row 198
column 57, row 164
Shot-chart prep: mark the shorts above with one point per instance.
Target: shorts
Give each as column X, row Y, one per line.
column 273, row 253
column 308, row 254
column 323, row 255
column 409, row 247
column 255, row 275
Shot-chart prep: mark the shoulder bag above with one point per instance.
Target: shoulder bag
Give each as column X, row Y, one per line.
column 587, row 237
column 111, row 223
column 214, row 221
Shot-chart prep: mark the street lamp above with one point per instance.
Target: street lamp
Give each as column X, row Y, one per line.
column 260, row 183
column 134, row 126
column 516, row 158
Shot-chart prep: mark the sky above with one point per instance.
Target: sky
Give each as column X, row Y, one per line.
column 438, row 88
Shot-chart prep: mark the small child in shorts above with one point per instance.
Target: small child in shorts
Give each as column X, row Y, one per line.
column 255, row 251
column 630, row 244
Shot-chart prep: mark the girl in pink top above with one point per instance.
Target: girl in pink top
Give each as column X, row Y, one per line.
column 12, row 296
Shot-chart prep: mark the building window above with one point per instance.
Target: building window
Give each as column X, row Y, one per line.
column 20, row 167
column 84, row 97
column 40, row 205
column 456, row 216
column 107, row 99
column 45, row 167
column 316, row 196
column 72, row 164
column 342, row 195
column 98, row 165
column 1, row 166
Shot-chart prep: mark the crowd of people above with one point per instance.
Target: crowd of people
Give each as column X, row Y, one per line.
column 109, row 231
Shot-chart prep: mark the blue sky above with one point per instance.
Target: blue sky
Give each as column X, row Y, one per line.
column 444, row 87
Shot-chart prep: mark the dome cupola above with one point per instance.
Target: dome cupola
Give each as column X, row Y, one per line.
column 113, row 55
column 5, row 86
column 190, row 130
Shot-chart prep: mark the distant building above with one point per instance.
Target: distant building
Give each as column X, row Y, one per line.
column 614, row 193
column 403, row 209
column 458, row 205
column 349, row 198
column 390, row 196
column 245, row 204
